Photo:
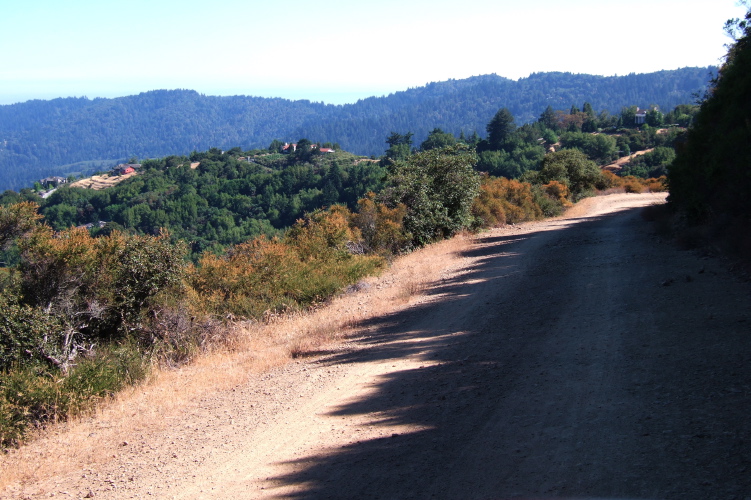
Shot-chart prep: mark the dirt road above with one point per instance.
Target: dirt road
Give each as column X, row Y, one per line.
column 577, row 358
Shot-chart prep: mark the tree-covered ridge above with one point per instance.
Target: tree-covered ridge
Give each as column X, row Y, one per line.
column 228, row 198
column 216, row 198
column 43, row 138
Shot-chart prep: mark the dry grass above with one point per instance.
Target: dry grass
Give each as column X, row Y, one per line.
column 99, row 182
column 256, row 347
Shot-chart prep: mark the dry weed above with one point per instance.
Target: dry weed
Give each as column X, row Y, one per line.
column 250, row 348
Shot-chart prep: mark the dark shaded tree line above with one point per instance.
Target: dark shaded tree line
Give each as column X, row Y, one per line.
column 710, row 180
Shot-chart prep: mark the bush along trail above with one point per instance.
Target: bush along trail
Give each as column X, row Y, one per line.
column 83, row 317
column 577, row 357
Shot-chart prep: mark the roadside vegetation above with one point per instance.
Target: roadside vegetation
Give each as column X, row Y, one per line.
column 710, row 185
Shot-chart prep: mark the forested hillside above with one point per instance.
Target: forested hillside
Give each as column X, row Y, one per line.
column 42, row 138
column 92, row 286
column 221, row 201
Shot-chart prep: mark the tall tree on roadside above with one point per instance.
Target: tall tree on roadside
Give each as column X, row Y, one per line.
column 500, row 129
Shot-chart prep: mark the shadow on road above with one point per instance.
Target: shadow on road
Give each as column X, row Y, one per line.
column 501, row 407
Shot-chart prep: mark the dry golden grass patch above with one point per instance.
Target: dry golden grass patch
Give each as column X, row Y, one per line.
column 99, row 182
column 254, row 347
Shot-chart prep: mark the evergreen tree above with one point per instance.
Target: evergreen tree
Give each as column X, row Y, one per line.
column 549, row 119
column 500, row 129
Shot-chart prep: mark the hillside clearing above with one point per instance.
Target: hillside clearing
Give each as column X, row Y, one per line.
column 99, row 182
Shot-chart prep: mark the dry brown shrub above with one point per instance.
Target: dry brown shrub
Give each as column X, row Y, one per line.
column 322, row 232
column 381, row 227
column 246, row 281
column 657, row 185
column 312, row 262
column 559, row 192
column 633, row 185
column 610, row 180
column 502, row 201
column 488, row 211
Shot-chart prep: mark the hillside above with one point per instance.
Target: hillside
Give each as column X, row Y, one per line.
column 549, row 352
column 218, row 199
column 709, row 180
column 38, row 137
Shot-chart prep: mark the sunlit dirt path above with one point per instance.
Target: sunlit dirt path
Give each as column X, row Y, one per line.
column 581, row 357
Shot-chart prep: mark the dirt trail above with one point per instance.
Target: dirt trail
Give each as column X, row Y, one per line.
column 580, row 357
column 618, row 164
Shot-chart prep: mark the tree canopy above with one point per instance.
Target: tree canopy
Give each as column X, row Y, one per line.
column 76, row 136
column 709, row 178
column 437, row 187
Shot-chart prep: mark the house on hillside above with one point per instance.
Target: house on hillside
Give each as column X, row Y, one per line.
column 291, row 148
column 640, row 117
column 126, row 168
column 52, row 182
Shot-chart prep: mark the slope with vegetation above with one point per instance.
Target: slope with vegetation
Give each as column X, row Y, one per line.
column 251, row 234
column 228, row 198
column 59, row 137
column 710, row 180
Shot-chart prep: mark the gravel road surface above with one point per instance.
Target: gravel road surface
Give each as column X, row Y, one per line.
column 582, row 358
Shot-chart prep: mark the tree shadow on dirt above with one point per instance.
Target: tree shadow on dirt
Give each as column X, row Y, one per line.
column 456, row 396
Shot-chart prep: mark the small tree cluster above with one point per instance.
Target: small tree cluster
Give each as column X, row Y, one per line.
column 437, row 188
column 573, row 169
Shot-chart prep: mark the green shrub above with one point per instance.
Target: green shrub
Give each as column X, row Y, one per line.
column 26, row 333
column 33, row 395
column 572, row 168
column 437, row 187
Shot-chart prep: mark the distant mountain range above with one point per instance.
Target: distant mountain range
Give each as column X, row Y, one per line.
column 78, row 135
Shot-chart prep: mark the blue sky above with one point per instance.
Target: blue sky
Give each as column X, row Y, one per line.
column 337, row 51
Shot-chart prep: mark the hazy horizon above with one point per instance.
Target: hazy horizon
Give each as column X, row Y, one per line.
column 339, row 52
column 336, row 98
